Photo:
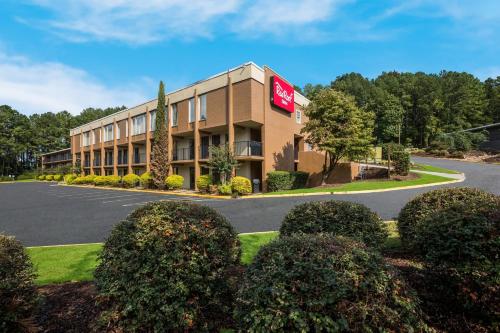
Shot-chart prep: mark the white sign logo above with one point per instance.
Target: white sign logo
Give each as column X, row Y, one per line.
column 283, row 93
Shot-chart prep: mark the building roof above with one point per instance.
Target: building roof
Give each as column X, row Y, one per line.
column 56, row 151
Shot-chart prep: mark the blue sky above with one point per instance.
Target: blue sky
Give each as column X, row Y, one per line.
column 71, row 54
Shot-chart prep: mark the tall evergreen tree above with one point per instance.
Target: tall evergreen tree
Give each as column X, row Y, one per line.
column 160, row 163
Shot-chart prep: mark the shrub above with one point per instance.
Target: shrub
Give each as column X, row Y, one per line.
column 26, row 176
column 322, row 283
column 41, row 177
column 426, row 204
column 49, row 177
column 203, row 183
column 299, row 179
column 392, row 147
column 278, row 181
column 340, row 218
column 146, row 179
column 174, row 182
column 107, row 180
column 241, row 185
column 83, row 180
column 58, row 178
column 166, row 269
column 401, row 162
column 131, row 180
column 225, row 189
column 18, row 294
column 460, row 250
column 68, row 179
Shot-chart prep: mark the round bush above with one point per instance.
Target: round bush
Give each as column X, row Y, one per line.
column 241, row 185
column 131, row 180
column 49, row 177
column 41, row 177
column 323, row 283
column 58, row 178
column 100, row 181
column 18, row 294
column 146, row 179
column 340, row 218
column 461, row 254
column 174, row 182
column 68, row 179
column 203, row 183
column 278, row 181
column 167, row 268
column 424, row 205
column 225, row 189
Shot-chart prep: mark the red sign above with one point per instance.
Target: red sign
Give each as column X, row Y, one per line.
column 282, row 94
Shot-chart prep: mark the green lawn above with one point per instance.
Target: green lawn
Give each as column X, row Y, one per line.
column 56, row 264
column 364, row 185
column 425, row 167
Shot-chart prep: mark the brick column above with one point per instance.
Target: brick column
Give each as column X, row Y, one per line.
column 170, row 140
column 73, row 148
column 103, row 152
column 196, row 140
column 148, row 140
column 82, row 154
column 130, row 147
column 230, row 116
column 115, row 147
column 92, row 135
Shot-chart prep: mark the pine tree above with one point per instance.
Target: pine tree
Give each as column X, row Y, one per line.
column 160, row 163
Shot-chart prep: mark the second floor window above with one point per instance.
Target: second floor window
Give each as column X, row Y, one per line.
column 203, row 107
column 298, row 117
column 117, row 132
column 86, row 139
column 192, row 113
column 174, row 115
column 108, row 132
column 139, row 125
column 152, row 120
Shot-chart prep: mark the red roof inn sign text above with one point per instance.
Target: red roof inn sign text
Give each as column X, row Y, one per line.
column 282, row 94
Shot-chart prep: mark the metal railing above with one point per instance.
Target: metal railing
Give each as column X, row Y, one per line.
column 204, row 151
column 183, row 154
column 248, row 148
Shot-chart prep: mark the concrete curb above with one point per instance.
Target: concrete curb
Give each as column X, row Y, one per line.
column 151, row 191
column 357, row 192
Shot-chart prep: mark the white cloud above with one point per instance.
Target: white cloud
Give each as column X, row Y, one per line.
column 32, row 87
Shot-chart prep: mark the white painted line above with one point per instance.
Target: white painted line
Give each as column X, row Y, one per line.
column 118, row 200
column 111, row 197
column 136, row 204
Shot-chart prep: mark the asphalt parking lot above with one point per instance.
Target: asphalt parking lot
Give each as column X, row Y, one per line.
column 41, row 213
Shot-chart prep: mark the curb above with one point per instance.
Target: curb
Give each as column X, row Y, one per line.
column 151, row 191
column 356, row 192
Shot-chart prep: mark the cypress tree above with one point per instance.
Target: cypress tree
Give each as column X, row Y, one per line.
column 160, row 163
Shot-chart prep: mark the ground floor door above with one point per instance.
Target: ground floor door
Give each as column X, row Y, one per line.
column 191, row 178
column 256, row 172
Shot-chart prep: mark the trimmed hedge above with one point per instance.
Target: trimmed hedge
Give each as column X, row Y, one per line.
column 225, row 189
column 322, row 283
column 131, row 180
column 461, row 255
column 58, row 178
column 26, row 176
column 49, row 177
column 203, row 183
column 174, row 182
column 340, row 218
column 84, row 180
column 146, row 180
column 241, row 185
column 401, row 162
column 284, row 180
column 18, row 294
column 424, row 205
column 41, row 177
column 107, row 181
column 68, row 179
column 166, row 268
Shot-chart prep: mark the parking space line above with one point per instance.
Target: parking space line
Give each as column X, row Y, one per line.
column 118, row 200
column 112, row 197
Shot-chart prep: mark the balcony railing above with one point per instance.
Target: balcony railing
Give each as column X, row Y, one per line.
column 204, row 152
column 183, row 154
column 139, row 158
column 248, row 148
column 86, row 164
column 97, row 162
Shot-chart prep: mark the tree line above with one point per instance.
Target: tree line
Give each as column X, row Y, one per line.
column 415, row 108
column 24, row 138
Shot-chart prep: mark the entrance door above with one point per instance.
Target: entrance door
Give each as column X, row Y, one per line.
column 191, row 178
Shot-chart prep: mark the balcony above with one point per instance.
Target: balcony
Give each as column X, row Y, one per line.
column 183, row 154
column 248, row 148
column 204, row 152
column 97, row 162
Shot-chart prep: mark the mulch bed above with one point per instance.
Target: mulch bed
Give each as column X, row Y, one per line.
column 71, row 307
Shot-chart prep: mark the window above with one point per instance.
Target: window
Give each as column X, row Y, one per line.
column 126, row 128
column 174, row 115
column 139, row 124
column 117, row 132
column 192, row 114
column 298, row 117
column 202, row 100
column 93, row 137
column 108, row 132
column 86, row 139
column 152, row 120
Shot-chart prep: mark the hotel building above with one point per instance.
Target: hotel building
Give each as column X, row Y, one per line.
column 252, row 108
